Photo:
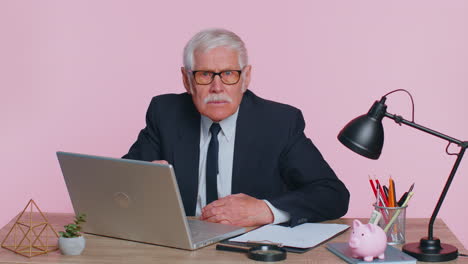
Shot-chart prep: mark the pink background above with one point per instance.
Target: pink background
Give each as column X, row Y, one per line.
column 78, row 76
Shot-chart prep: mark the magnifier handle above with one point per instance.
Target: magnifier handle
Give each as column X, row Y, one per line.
column 232, row 248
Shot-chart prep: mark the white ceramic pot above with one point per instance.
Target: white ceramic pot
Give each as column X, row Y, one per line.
column 71, row 245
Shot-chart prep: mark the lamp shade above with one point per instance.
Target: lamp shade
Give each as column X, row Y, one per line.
column 364, row 134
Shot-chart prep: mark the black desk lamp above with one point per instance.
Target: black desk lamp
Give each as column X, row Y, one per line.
column 365, row 136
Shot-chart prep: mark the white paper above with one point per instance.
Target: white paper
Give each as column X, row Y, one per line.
column 302, row 236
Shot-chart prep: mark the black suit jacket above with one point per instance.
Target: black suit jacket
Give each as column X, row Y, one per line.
column 273, row 159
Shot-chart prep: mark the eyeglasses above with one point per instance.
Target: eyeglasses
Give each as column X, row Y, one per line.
column 227, row 77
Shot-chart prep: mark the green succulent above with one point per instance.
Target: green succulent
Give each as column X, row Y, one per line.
column 74, row 230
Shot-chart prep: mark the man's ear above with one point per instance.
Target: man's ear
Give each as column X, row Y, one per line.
column 186, row 80
column 246, row 72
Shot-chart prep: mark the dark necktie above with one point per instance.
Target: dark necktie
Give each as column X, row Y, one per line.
column 212, row 165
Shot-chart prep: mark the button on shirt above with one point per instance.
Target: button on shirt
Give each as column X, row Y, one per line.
column 226, row 138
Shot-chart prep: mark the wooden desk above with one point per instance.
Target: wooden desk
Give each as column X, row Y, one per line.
column 103, row 250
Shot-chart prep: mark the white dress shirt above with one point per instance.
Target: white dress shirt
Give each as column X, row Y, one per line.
column 226, row 139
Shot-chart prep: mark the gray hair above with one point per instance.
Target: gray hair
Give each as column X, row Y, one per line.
column 208, row 39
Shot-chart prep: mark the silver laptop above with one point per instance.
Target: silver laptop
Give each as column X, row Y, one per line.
column 135, row 200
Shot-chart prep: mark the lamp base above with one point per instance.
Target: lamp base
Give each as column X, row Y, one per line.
column 431, row 250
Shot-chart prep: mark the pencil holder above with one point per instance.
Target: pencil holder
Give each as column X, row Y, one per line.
column 393, row 222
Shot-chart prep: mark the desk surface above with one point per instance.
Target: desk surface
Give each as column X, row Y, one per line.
column 103, row 250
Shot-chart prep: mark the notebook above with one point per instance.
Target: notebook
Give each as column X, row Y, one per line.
column 304, row 236
column 392, row 255
column 135, row 200
column 298, row 239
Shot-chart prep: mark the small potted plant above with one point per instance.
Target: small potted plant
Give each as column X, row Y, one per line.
column 71, row 241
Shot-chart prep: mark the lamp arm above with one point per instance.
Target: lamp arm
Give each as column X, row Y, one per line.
column 462, row 144
column 399, row 120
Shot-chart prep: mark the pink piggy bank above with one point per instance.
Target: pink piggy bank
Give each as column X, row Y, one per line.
column 367, row 241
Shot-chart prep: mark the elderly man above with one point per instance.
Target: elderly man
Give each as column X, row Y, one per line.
column 239, row 159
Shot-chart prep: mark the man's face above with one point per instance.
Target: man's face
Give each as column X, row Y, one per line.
column 216, row 100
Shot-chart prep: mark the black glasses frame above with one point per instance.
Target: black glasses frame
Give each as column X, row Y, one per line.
column 219, row 74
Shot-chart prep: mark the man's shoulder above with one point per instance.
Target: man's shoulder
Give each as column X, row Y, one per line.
column 271, row 120
column 269, row 106
column 171, row 101
column 172, row 98
column 170, row 106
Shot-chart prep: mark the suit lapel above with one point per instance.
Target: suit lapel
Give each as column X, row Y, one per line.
column 243, row 143
column 186, row 157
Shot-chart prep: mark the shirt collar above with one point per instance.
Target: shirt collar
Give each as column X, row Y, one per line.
column 228, row 126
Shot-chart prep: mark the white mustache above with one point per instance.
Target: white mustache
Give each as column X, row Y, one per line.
column 217, row 97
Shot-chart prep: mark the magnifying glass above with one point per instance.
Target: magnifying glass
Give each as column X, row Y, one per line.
column 260, row 252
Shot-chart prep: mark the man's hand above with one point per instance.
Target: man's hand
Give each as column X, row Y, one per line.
column 238, row 209
column 160, row 162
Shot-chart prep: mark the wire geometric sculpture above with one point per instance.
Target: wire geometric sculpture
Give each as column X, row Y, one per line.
column 30, row 235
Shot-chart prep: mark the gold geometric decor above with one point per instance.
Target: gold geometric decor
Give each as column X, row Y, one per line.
column 31, row 234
